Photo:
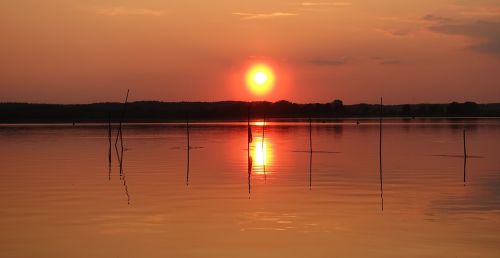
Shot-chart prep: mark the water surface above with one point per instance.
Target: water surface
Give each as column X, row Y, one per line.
column 60, row 197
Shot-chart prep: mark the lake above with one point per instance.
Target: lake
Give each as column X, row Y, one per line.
column 60, row 198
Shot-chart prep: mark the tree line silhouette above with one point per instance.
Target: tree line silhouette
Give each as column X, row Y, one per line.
column 156, row 111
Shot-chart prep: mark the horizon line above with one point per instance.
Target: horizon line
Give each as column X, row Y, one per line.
column 243, row 101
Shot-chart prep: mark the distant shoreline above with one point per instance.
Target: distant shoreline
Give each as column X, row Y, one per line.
column 232, row 111
column 453, row 121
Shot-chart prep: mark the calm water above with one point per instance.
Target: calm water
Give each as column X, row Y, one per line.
column 59, row 198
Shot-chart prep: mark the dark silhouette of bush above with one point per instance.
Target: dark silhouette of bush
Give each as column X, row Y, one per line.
column 155, row 111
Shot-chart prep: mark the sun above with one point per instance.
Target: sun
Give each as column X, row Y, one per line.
column 260, row 79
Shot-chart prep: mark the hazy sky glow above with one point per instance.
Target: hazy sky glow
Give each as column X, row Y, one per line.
column 68, row 51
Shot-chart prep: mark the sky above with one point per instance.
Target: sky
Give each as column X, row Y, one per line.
column 408, row 51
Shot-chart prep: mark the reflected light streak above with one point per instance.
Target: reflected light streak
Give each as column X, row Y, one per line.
column 259, row 123
column 262, row 155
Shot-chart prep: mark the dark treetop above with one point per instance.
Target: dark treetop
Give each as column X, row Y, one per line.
column 155, row 111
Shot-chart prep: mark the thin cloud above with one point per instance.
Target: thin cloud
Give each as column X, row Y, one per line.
column 487, row 31
column 254, row 16
column 328, row 61
column 473, row 11
column 482, row 12
column 403, row 26
column 435, row 18
column 325, row 4
column 396, row 32
column 124, row 11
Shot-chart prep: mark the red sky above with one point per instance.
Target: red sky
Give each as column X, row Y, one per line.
column 68, row 51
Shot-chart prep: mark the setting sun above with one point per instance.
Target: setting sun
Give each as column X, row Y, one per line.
column 260, row 79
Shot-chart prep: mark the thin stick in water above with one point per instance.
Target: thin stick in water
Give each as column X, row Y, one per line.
column 123, row 178
column 187, row 168
column 250, row 161
column 187, row 134
column 188, row 152
column 249, row 138
column 263, row 149
column 380, row 156
column 465, row 147
column 119, row 157
column 310, row 135
column 465, row 157
column 109, row 149
column 119, row 133
column 310, row 153
column 465, row 170
column 310, row 169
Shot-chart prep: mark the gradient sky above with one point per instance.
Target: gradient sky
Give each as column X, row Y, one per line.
column 409, row 51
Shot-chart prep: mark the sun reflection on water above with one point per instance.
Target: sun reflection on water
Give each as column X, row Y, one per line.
column 262, row 155
column 259, row 123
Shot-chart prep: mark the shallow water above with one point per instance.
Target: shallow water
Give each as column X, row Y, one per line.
column 60, row 198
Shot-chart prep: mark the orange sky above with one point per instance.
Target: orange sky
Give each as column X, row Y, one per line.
column 68, row 51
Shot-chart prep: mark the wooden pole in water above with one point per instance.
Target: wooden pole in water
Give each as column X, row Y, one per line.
column 188, row 151
column 380, row 155
column 310, row 152
column 310, row 169
column 109, row 138
column 310, row 134
column 249, row 139
column 465, row 147
column 119, row 158
column 119, row 134
column 187, row 133
column 465, row 157
column 123, row 178
column 109, row 148
column 187, row 167
column 249, row 132
column 263, row 149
